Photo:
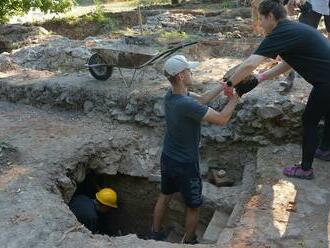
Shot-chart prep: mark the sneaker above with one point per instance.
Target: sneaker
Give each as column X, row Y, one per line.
column 323, row 155
column 297, row 172
column 158, row 236
column 192, row 241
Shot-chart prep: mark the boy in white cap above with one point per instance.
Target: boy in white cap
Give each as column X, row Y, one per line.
column 184, row 112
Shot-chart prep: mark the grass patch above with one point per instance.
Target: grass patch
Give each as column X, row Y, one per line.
column 91, row 24
column 172, row 36
column 153, row 2
column 97, row 18
column 227, row 4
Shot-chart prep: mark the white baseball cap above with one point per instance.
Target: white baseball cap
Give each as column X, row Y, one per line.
column 177, row 64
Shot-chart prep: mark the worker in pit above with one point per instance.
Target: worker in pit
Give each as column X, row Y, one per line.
column 91, row 212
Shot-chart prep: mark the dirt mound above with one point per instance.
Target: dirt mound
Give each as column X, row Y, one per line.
column 13, row 36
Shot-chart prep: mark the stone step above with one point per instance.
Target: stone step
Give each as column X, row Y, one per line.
column 216, row 225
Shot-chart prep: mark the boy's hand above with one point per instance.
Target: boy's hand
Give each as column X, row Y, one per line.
column 227, row 90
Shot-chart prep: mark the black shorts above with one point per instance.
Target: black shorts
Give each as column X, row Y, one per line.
column 181, row 177
column 313, row 18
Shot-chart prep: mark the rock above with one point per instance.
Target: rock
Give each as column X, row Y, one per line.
column 88, row 106
column 299, row 107
column 123, row 118
column 16, row 35
column 109, row 169
column 67, row 188
column 219, row 180
column 6, row 64
column 220, row 134
column 269, row 111
column 245, row 114
column 278, row 132
column 159, row 109
column 57, row 54
column 154, row 178
column 141, row 118
column 80, row 52
column 216, row 226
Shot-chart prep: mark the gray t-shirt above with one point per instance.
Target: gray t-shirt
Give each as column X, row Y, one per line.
column 183, row 115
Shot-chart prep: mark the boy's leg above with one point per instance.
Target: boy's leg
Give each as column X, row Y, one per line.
column 160, row 210
column 191, row 190
column 192, row 217
column 168, row 187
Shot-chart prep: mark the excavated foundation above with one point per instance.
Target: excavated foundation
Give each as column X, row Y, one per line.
column 137, row 196
column 136, row 200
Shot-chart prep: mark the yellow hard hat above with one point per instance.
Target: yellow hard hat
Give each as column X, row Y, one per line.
column 108, row 197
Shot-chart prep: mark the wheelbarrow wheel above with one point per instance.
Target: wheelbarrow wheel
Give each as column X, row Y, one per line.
column 102, row 72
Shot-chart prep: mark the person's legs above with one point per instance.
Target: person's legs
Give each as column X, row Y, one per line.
column 323, row 152
column 314, row 111
column 317, row 106
column 159, row 211
column 192, row 217
column 256, row 27
column 310, row 18
column 325, row 142
column 191, row 190
column 169, row 186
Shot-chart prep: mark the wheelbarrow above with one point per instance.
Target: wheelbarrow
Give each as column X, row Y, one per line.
column 105, row 59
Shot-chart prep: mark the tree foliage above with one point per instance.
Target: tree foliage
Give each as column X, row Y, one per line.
column 9, row 8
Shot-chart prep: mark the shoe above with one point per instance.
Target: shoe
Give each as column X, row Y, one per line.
column 158, row 236
column 297, row 172
column 192, row 241
column 323, row 155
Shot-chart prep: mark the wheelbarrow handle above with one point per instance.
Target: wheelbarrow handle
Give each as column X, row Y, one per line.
column 174, row 49
column 166, row 53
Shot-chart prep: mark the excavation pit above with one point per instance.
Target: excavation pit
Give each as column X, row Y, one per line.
column 136, row 200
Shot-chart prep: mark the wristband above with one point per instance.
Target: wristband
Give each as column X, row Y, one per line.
column 261, row 77
column 229, row 83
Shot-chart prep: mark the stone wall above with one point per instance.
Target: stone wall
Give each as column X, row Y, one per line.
column 262, row 116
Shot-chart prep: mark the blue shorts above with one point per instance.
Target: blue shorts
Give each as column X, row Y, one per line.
column 181, row 177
